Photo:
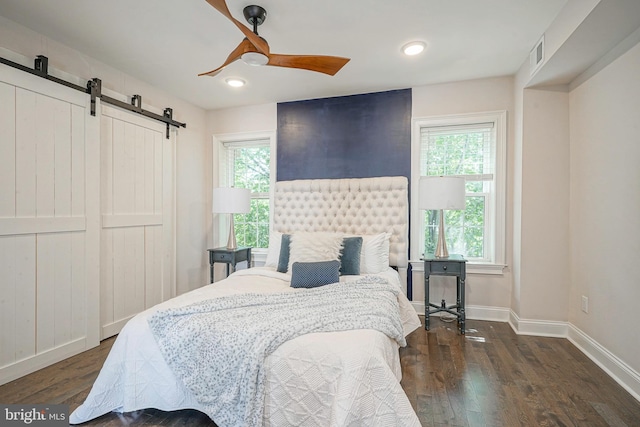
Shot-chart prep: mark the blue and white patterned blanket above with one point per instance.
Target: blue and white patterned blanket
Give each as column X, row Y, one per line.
column 217, row 347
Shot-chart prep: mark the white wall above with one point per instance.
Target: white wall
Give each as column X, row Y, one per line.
column 569, row 18
column 253, row 118
column 250, row 119
column 516, row 194
column 541, row 278
column 492, row 94
column 544, row 245
column 576, row 195
column 191, row 184
column 605, row 206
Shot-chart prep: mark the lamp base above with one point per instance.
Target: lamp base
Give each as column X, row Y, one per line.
column 441, row 246
column 231, row 242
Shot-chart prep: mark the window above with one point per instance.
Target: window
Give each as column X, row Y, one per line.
column 245, row 162
column 471, row 147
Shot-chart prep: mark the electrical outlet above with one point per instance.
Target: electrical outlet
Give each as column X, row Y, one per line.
column 585, row 304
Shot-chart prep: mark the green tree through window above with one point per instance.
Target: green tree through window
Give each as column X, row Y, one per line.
column 464, row 151
column 248, row 166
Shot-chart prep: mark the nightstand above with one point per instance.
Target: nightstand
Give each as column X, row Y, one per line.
column 229, row 256
column 454, row 265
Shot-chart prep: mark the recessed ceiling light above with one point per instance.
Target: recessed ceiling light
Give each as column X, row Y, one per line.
column 235, row 82
column 413, row 48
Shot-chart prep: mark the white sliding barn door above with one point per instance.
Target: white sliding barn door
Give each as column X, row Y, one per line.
column 137, row 237
column 49, row 223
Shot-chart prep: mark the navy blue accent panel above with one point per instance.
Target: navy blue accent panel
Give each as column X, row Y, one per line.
column 358, row 136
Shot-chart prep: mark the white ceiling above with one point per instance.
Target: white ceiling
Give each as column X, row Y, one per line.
column 168, row 42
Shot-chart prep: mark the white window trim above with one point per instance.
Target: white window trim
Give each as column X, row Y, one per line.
column 219, row 178
column 500, row 119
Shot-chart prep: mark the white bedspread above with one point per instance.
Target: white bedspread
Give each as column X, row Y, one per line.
column 320, row 379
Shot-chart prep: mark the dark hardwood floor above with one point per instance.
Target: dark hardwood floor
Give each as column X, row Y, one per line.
column 493, row 377
column 490, row 377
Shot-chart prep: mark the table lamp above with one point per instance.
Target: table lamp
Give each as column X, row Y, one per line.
column 231, row 200
column 440, row 193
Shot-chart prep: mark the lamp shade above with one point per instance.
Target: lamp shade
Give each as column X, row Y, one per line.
column 441, row 192
column 231, row 200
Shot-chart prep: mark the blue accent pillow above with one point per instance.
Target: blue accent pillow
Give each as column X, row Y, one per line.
column 350, row 256
column 283, row 260
column 314, row 274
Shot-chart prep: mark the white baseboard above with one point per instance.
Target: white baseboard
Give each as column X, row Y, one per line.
column 492, row 314
column 539, row 328
column 617, row 369
column 114, row 328
column 474, row 312
column 418, row 307
column 33, row 363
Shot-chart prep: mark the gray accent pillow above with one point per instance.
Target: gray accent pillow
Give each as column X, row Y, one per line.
column 283, row 261
column 314, row 274
column 350, row 256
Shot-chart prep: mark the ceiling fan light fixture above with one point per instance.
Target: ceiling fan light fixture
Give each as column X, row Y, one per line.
column 413, row 48
column 254, row 58
column 235, row 82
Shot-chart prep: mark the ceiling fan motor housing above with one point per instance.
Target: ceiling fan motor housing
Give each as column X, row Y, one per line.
column 255, row 15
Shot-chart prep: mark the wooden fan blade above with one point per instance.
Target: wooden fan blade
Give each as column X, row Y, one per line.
column 259, row 43
column 244, row 46
column 212, row 73
column 322, row 64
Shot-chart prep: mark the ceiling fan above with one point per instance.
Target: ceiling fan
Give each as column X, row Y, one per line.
column 254, row 50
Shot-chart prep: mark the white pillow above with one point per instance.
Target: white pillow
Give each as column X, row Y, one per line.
column 312, row 247
column 273, row 252
column 374, row 256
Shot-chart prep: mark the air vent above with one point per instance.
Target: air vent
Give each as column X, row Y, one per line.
column 536, row 57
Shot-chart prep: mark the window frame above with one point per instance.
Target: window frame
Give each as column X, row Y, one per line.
column 220, row 179
column 498, row 228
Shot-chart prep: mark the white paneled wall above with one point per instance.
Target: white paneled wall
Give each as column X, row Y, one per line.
column 137, row 217
column 47, row 247
column 86, row 221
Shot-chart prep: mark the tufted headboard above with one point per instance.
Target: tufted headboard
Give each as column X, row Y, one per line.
column 353, row 206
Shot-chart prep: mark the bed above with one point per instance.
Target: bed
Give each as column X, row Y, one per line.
column 335, row 376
